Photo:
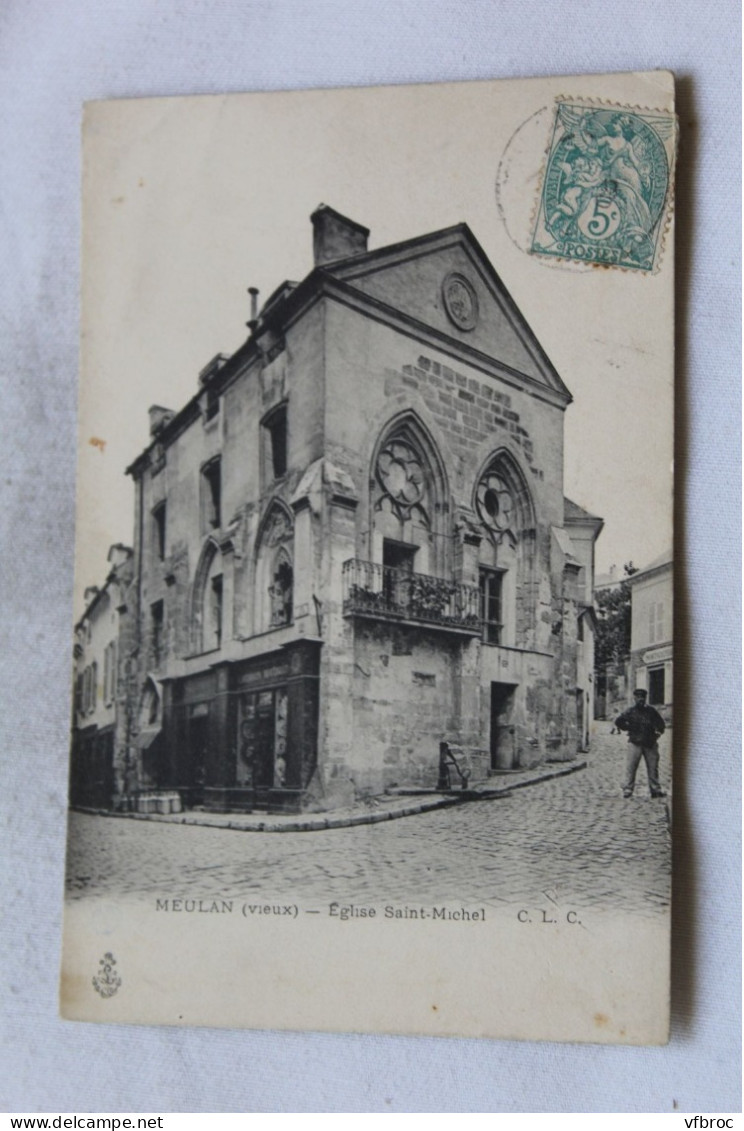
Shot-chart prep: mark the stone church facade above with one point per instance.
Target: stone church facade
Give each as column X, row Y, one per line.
column 353, row 545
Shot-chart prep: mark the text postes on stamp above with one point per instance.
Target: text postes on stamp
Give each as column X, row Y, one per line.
column 606, row 186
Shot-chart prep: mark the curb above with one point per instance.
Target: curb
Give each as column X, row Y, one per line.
column 319, row 824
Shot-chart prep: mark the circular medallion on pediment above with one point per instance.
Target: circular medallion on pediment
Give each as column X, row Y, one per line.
column 460, row 301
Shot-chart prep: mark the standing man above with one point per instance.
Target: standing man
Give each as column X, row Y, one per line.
column 644, row 726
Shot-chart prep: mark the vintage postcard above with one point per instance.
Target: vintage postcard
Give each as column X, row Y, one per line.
column 373, row 714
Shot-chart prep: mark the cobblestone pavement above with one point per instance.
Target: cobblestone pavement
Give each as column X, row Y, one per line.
column 574, row 837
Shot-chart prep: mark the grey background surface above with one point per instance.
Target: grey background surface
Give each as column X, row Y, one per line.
column 54, row 56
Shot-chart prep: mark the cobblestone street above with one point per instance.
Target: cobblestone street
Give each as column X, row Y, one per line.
column 574, row 838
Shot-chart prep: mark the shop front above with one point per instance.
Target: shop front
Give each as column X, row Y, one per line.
column 243, row 735
column 92, row 768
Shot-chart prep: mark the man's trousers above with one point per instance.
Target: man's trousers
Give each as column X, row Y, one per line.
column 651, row 756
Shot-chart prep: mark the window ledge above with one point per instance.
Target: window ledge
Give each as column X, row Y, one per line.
column 204, row 652
column 267, row 632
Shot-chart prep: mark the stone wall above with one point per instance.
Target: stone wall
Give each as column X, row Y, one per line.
column 388, row 695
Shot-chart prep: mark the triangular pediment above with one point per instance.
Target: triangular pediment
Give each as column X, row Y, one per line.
column 445, row 281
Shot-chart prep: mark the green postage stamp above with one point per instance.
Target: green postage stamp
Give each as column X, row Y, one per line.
column 607, row 185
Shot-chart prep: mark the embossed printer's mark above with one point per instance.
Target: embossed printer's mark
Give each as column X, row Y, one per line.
column 107, row 982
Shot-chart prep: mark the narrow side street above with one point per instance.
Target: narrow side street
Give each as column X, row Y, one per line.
column 575, row 838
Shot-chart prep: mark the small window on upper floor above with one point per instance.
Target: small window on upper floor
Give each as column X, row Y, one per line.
column 157, row 617
column 275, row 442
column 211, row 495
column 93, row 687
column 655, row 622
column 158, row 531
column 213, row 404
column 109, row 673
column 213, row 626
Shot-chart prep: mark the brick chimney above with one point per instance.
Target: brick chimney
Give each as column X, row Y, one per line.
column 119, row 554
column 335, row 236
column 159, row 418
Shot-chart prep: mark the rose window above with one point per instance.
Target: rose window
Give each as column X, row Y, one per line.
column 495, row 503
column 401, row 474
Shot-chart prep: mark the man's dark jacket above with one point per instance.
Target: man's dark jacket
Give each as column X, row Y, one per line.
column 643, row 724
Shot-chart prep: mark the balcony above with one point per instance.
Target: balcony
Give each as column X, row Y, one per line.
column 382, row 593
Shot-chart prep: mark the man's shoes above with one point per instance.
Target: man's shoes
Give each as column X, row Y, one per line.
column 627, row 793
column 659, row 793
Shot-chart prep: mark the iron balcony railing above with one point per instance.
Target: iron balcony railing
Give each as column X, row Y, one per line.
column 381, row 592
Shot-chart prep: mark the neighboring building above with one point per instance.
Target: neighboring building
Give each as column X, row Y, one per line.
column 99, row 737
column 583, row 530
column 610, row 677
column 353, row 544
column 651, row 628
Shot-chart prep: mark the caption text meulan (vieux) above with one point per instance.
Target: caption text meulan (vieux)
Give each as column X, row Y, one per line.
column 345, row 912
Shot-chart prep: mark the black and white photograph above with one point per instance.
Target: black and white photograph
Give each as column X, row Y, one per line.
column 371, row 459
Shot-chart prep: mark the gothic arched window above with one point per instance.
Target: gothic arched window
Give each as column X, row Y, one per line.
column 274, row 570
column 504, row 507
column 408, row 500
column 280, row 590
column 207, row 604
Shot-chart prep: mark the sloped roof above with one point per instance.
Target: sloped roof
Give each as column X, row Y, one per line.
column 667, row 558
column 387, row 280
column 572, row 510
column 398, row 276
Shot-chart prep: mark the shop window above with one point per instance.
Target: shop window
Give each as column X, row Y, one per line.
column 211, row 495
column 491, row 605
column 157, row 625
column 275, row 442
column 262, row 743
column 158, row 523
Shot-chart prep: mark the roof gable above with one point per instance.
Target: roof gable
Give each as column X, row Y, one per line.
column 445, row 281
column 572, row 512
